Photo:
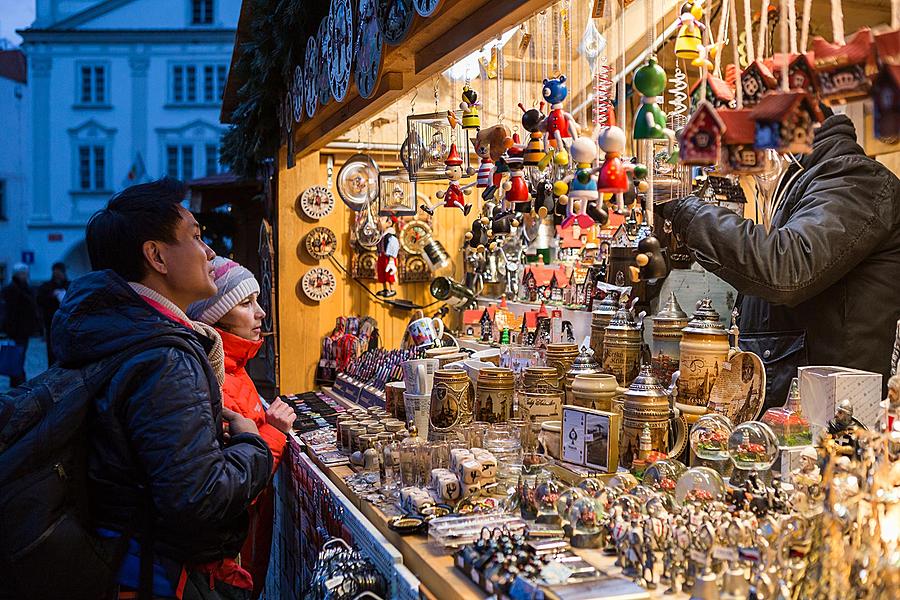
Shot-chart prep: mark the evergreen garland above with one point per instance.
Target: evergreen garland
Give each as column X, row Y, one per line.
column 278, row 30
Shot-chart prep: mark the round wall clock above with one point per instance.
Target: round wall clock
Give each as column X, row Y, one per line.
column 426, row 8
column 321, row 242
column 340, row 23
column 317, row 202
column 311, row 81
column 318, row 283
column 413, row 236
column 395, row 18
column 323, row 85
column 368, row 49
column 297, row 94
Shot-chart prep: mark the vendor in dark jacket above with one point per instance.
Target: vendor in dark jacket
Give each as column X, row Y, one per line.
column 822, row 287
column 160, row 465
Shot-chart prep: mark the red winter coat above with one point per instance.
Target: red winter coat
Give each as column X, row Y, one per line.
column 239, row 394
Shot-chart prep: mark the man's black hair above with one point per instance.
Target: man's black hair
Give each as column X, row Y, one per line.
column 61, row 266
column 145, row 212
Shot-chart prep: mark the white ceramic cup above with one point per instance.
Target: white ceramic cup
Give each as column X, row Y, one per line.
column 418, row 410
column 426, row 331
column 418, row 375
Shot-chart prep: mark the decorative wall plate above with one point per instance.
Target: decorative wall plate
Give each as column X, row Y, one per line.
column 318, row 283
column 739, row 391
column 297, row 94
column 311, row 82
column 369, row 49
column 341, row 45
column 426, row 8
column 317, row 202
column 413, row 236
column 324, row 37
column 395, row 18
column 321, row 242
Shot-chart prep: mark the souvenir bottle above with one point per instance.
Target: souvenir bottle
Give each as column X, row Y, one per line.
column 704, row 349
column 647, row 404
column 622, row 347
column 667, row 326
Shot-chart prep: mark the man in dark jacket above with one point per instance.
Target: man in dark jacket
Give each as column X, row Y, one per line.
column 21, row 320
column 159, row 464
column 821, row 287
column 49, row 295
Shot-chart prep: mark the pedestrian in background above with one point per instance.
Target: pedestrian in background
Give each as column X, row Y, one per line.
column 49, row 295
column 21, row 317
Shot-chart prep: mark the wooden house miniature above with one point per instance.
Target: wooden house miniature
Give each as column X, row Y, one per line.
column 471, row 320
column 886, row 88
column 529, row 328
column 575, row 293
column 569, row 245
column 843, row 71
column 802, row 75
column 700, row 141
column 756, row 81
column 723, row 191
column 784, row 122
column 739, row 156
column 718, row 92
column 545, row 282
column 486, row 323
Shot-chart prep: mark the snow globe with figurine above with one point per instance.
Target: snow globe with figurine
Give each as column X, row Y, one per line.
column 699, row 485
column 753, row 446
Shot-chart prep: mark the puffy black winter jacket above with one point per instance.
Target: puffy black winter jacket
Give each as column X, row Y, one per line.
column 822, row 287
column 157, row 427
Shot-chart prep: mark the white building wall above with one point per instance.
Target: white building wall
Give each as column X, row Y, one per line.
column 137, row 42
column 14, row 171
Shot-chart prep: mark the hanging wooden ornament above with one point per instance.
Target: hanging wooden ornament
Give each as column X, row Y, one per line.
column 690, row 32
column 717, row 92
column 612, row 178
column 700, row 141
column 843, row 69
column 784, row 122
column 650, row 121
column 559, row 125
column 581, row 186
column 756, row 81
column 739, row 155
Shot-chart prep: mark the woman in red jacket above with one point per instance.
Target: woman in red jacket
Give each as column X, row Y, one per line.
column 237, row 316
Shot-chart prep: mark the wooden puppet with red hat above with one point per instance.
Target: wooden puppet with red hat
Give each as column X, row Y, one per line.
column 454, row 195
column 517, row 193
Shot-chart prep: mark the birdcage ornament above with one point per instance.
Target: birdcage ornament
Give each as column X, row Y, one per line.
column 428, row 140
column 396, row 194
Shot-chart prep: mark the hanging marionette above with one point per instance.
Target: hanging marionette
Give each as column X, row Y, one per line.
column 690, row 32
column 469, row 106
column 489, row 145
column 517, row 196
column 650, row 121
column 581, row 186
column 454, row 195
column 559, row 125
column 531, row 122
column 386, row 268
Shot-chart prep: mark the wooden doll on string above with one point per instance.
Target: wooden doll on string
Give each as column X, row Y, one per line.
column 386, row 267
column 559, row 125
column 690, row 31
column 581, row 186
column 454, row 195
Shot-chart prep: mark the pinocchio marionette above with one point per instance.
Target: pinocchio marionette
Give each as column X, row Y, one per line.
column 386, row 268
column 454, row 195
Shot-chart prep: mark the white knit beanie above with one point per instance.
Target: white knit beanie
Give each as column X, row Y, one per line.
column 233, row 284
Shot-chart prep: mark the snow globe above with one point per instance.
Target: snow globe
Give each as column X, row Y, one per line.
column 546, row 496
column 699, row 485
column 567, row 498
column 753, row 446
column 585, row 517
column 788, row 422
column 663, row 475
column 709, row 437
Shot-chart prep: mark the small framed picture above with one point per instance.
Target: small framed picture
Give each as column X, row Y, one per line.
column 590, row 438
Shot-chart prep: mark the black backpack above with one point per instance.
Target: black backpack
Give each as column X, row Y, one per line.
column 48, row 547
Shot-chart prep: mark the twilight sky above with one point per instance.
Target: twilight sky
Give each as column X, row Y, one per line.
column 15, row 14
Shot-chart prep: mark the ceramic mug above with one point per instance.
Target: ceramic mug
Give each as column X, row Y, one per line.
column 393, row 399
column 426, row 331
column 550, row 437
column 438, row 352
column 491, row 355
column 418, row 375
column 596, row 391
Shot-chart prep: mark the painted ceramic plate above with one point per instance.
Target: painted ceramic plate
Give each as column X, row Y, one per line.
column 341, row 45
column 318, row 283
column 317, row 202
column 321, row 242
column 369, row 46
column 395, row 18
column 426, row 8
column 324, row 85
column 310, row 86
column 297, row 95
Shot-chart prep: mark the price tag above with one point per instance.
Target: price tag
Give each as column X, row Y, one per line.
column 555, row 573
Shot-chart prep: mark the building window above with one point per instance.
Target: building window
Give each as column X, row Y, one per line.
column 193, row 84
column 2, row 199
column 201, row 12
column 212, row 159
column 92, row 84
column 91, row 168
column 180, row 161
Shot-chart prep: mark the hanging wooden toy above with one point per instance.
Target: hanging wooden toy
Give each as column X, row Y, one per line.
column 802, row 75
column 886, row 88
column 714, row 90
column 650, row 121
column 650, row 260
column 469, row 107
column 581, row 186
column 784, row 122
column 612, row 178
column 544, row 197
column 690, row 32
column 386, row 268
column 756, row 81
column 516, row 191
column 843, row 66
column 559, row 125
column 531, row 122
column 700, row 140
column 490, row 144
column 454, row 195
